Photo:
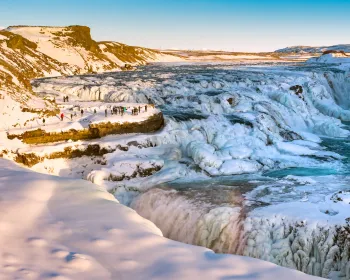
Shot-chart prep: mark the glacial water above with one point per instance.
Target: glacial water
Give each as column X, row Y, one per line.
column 339, row 146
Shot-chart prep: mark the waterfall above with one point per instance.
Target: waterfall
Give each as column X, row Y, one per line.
column 190, row 221
column 314, row 248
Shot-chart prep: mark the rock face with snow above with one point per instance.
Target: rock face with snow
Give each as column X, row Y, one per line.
column 74, row 46
column 21, row 61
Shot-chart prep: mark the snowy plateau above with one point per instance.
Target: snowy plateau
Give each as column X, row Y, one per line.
column 192, row 166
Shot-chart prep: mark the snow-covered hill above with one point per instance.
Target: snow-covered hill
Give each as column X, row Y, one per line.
column 308, row 49
column 73, row 45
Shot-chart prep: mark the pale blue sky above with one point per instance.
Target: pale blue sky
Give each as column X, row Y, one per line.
column 238, row 25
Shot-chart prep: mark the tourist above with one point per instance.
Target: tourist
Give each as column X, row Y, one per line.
column 106, row 112
column 82, row 112
column 95, row 111
column 71, row 117
column 146, row 108
column 62, row 116
column 44, row 122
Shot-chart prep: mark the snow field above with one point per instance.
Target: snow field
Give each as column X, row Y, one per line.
column 59, row 228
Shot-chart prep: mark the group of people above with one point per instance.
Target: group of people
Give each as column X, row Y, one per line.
column 65, row 98
column 115, row 110
column 118, row 110
column 135, row 111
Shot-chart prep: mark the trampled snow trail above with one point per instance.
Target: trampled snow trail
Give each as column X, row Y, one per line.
column 223, row 120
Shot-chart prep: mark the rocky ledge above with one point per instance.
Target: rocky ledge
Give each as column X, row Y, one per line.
column 94, row 131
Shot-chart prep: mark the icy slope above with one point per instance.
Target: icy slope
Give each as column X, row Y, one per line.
column 57, row 228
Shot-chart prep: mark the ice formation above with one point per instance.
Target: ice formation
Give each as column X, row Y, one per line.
column 230, row 121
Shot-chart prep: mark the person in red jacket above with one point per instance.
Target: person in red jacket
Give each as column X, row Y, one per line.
column 62, row 116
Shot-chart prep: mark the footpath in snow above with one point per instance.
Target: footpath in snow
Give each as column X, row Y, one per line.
column 79, row 115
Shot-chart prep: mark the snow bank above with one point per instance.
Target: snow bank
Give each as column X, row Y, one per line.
column 57, row 228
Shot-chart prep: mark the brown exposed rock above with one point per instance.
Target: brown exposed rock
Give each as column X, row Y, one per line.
column 335, row 51
column 139, row 172
column 94, row 131
column 31, row 159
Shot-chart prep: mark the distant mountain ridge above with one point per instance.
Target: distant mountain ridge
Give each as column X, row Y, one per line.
column 308, row 49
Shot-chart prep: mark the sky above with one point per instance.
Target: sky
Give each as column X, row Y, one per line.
column 230, row 25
